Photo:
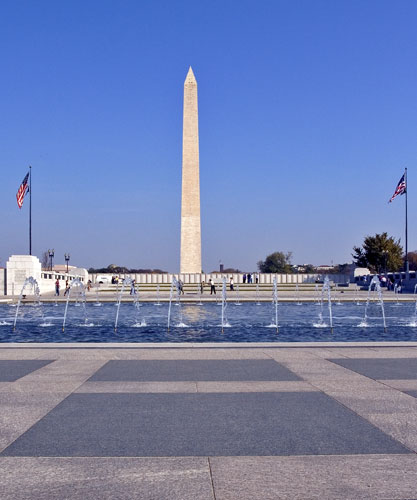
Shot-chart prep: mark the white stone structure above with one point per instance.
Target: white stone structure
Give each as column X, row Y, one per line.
column 20, row 267
column 190, row 201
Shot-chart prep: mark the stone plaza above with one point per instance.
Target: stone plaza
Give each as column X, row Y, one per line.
column 236, row 421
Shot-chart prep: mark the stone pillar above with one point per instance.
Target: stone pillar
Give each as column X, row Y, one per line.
column 20, row 267
column 190, row 200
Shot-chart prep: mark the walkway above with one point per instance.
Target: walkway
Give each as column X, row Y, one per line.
column 208, row 421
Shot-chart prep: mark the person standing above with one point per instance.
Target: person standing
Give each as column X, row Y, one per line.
column 257, row 278
column 231, row 284
column 244, row 278
column 249, row 278
column 212, row 287
column 133, row 288
column 66, row 288
column 57, row 287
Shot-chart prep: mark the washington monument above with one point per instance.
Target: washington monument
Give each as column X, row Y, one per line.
column 190, row 201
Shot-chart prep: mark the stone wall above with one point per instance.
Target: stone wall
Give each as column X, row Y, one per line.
column 217, row 277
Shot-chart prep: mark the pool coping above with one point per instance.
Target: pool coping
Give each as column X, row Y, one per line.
column 198, row 345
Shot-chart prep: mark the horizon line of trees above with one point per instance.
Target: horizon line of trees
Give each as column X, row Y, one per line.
column 112, row 269
column 380, row 253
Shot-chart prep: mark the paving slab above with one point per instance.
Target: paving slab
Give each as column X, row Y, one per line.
column 203, row 424
column 195, row 352
column 13, row 369
column 192, row 370
column 28, row 478
column 184, row 387
column 412, row 393
column 28, row 399
column 393, row 352
column 135, row 387
column 265, row 386
column 22, row 353
column 318, row 477
column 20, row 411
column 322, row 370
column 59, row 376
column 400, row 426
column 381, row 369
column 402, row 385
column 366, row 402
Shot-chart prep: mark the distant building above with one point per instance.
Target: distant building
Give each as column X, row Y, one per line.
column 325, row 268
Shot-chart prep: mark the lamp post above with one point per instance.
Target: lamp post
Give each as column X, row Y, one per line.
column 67, row 258
column 51, row 256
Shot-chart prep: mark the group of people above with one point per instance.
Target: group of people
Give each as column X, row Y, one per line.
column 390, row 283
column 57, row 287
column 248, row 278
column 67, row 287
column 386, row 281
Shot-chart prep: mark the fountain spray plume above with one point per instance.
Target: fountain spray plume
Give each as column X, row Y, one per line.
column 35, row 291
column 224, row 304
column 396, row 292
column 158, row 302
column 97, row 303
column 199, row 303
column 275, row 304
column 297, row 294
column 327, row 291
column 356, row 299
column 375, row 287
column 137, row 305
column 237, row 303
column 317, row 291
column 174, row 285
column 79, row 285
column 257, row 294
column 414, row 323
column 126, row 281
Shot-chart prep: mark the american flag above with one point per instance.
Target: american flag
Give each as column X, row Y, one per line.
column 400, row 189
column 23, row 189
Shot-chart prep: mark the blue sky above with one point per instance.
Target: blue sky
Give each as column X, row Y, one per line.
column 307, row 113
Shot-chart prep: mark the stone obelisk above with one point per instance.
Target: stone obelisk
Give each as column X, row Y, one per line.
column 190, row 201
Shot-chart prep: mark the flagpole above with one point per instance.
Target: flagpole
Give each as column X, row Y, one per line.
column 407, row 266
column 30, row 210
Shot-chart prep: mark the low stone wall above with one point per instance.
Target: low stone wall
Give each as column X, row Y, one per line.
column 217, row 277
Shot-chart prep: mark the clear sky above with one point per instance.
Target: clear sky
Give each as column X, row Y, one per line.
column 307, row 114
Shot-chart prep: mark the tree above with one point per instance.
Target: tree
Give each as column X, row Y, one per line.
column 45, row 260
column 412, row 260
column 309, row 269
column 277, row 262
column 379, row 253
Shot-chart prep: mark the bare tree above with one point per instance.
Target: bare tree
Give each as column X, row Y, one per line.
column 45, row 260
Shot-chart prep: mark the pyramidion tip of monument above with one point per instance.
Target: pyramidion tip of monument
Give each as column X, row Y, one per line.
column 190, row 76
